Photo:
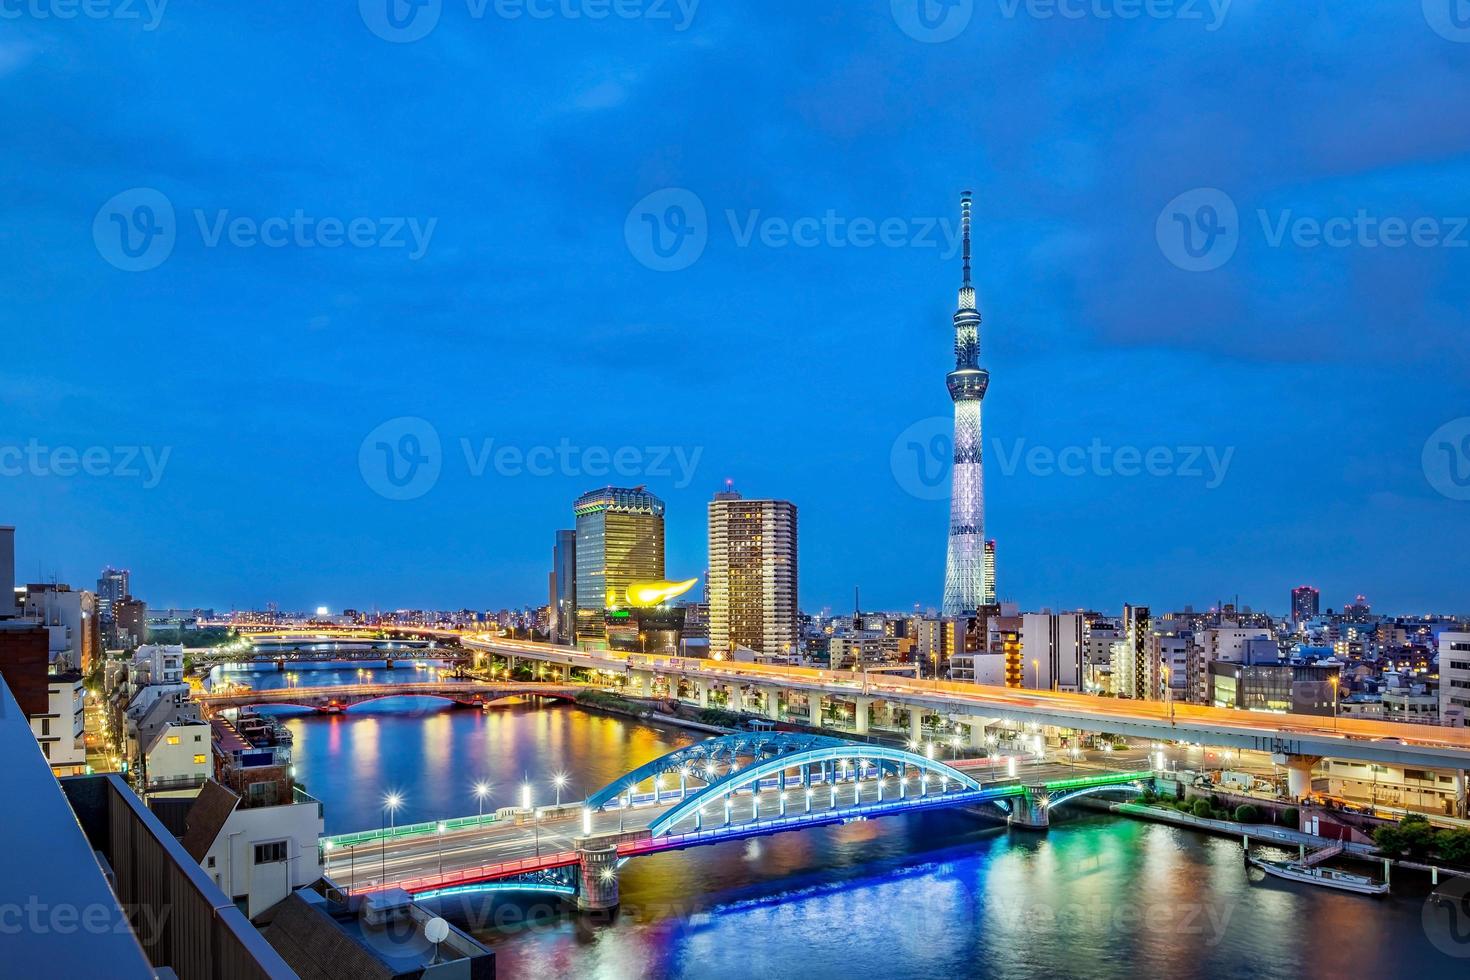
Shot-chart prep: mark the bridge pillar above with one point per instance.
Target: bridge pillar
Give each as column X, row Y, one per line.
column 977, row 734
column 889, row 715
column 916, row 725
column 597, row 887
column 773, row 703
column 1029, row 812
column 701, row 689
column 861, row 706
column 1298, row 772
column 814, row 709
column 644, row 680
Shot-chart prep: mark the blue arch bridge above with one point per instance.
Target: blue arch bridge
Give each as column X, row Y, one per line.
column 725, row 788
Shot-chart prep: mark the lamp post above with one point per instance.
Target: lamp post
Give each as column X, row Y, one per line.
column 439, row 831
column 1334, row 680
column 391, row 803
column 559, row 781
column 482, row 790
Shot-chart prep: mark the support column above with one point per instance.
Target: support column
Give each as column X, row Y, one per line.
column 916, row 725
column 861, row 706
column 597, row 885
column 1029, row 812
column 1298, row 772
column 977, row 734
column 773, row 703
column 701, row 689
column 889, row 715
column 814, row 710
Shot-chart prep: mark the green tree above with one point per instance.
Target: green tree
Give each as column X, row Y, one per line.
column 1202, row 808
column 1245, row 813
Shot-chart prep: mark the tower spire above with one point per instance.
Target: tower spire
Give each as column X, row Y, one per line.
column 965, row 228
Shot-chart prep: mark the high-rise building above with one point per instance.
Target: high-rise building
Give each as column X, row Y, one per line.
column 1053, row 650
column 990, row 572
column 130, row 617
column 964, row 567
column 752, row 575
column 1306, row 602
column 564, row 588
column 1454, row 679
column 7, row 571
column 619, row 541
column 1135, row 674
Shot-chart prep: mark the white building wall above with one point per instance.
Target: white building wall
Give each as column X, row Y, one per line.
column 1454, row 679
column 231, row 860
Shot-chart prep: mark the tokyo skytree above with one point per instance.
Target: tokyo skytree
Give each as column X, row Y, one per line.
column 964, row 567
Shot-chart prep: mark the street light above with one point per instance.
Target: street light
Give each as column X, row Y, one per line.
column 1334, row 680
column 391, row 803
column 482, row 790
column 559, row 781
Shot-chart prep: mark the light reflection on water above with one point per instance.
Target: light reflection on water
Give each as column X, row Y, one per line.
column 925, row 895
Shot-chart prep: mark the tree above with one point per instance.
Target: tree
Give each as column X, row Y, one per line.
column 1202, row 808
column 1245, row 813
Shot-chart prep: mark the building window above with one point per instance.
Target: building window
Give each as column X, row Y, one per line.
column 272, row 853
column 198, row 759
column 173, row 740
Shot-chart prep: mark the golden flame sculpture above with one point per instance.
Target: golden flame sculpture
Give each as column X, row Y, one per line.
column 642, row 595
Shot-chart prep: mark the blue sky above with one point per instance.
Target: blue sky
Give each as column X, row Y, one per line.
column 226, row 391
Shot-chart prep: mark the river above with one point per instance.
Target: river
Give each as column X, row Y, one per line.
column 924, row 895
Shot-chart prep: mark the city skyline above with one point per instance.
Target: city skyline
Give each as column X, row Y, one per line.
column 1277, row 361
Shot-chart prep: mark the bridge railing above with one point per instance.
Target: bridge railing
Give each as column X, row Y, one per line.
column 486, row 872
column 409, row 830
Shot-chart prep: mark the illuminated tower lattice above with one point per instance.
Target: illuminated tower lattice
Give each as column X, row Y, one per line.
column 964, row 570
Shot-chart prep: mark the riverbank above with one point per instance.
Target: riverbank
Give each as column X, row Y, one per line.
column 616, row 704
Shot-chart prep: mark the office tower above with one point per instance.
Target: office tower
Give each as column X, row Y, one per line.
column 131, row 618
column 564, row 588
column 1053, row 651
column 619, row 541
column 1454, row 679
column 1305, row 603
column 990, row 572
column 1135, row 675
column 964, row 568
column 752, row 575
column 7, row 571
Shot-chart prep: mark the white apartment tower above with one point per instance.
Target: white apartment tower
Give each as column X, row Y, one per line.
column 752, row 575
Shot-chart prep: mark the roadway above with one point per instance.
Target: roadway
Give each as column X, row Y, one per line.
column 1289, row 734
column 453, row 853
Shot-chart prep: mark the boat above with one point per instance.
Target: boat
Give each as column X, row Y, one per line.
column 1327, row 877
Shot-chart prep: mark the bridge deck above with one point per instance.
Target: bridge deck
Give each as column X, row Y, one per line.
column 478, row 853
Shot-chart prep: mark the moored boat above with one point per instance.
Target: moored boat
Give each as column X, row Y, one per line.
column 1326, row 877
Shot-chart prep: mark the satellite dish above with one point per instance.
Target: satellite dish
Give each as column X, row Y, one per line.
column 436, row 930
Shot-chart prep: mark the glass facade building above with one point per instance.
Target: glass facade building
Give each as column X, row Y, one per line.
column 619, row 541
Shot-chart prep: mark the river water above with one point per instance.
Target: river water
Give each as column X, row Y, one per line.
column 929, row 895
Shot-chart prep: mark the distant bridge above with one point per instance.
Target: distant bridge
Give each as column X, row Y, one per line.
column 341, row 697
column 722, row 789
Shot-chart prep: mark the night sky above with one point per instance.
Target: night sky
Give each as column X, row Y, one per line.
column 241, row 243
